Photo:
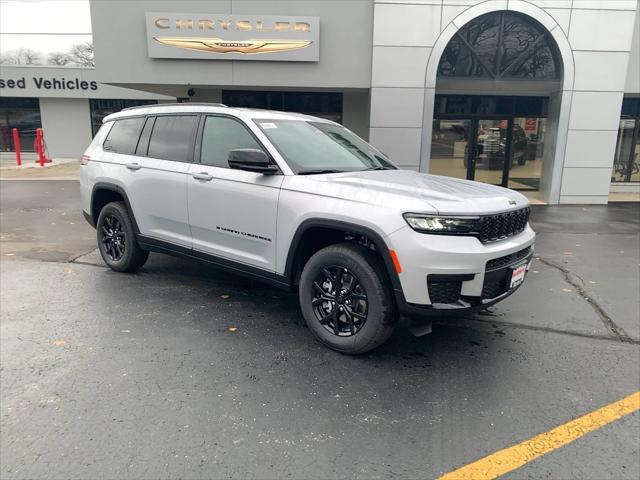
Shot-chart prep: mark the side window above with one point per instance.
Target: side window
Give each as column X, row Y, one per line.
column 143, row 143
column 220, row 136
column 172, row 137
column 123, row 136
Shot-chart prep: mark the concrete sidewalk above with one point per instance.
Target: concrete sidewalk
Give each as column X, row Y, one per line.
column 57, row 169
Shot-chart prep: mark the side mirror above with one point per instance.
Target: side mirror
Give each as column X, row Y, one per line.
column 251, row 160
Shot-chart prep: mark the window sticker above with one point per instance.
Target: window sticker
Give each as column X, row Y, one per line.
column 268, row 125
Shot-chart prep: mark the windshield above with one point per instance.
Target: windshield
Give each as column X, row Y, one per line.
column 318, row 147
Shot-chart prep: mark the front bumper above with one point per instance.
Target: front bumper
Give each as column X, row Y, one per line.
column 456, row 274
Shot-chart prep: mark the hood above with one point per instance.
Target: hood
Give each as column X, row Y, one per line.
column 412, row 191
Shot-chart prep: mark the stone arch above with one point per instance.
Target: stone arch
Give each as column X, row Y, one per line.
column 559, row 105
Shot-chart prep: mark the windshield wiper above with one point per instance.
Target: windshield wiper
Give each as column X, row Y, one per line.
column 318, row 171
column 378, row 168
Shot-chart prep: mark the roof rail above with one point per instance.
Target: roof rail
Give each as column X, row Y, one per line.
column 202, row 104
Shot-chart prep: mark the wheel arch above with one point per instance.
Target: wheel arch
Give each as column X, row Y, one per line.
column 106, row 192
column 297, row 252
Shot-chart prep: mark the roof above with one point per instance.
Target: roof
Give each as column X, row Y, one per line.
column 209, row 108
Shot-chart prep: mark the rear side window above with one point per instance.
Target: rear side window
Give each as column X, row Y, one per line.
column 143, row 143
column 172, row 137
column 220, row 136
column 123, row 136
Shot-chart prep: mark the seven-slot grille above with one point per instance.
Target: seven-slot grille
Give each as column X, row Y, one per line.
column 503, row 225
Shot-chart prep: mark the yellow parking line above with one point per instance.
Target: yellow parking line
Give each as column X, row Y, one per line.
column 499, row 463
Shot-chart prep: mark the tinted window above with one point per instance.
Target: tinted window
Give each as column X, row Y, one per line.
column 172, row 137
column 319, row 104
column 143, row 143
column 20, row 113
column 123, row 136
column 220, row 136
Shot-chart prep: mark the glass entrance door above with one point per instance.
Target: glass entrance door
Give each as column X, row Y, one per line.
column 488, row 151
column 450, row 147
column 478, row 149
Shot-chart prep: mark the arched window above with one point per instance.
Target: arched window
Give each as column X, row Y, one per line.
column 501, row 46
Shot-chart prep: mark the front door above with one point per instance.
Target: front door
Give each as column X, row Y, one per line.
column 472, row 148
column 232, row 213
column 489, row 150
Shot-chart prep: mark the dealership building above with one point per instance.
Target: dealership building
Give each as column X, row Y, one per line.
column 542, row 96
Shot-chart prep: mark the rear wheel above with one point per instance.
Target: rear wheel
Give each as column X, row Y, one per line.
column 117, row 240
column 345, row 299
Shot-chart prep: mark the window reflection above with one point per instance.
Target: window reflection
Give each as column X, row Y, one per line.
column 490, row 151
column 23, row 114
column 102, row 107
column 526, row 153
column 626, row 160
column 449, row 147
column 477, row 148
column 319, row 104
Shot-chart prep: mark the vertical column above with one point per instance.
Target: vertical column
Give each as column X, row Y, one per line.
column 600, row 40
column 403, row 35
column 66, row 123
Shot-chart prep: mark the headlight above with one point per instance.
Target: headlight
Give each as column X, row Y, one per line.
column 438, row 224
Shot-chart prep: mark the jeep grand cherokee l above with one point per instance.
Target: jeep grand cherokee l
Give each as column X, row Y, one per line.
column 304, row 204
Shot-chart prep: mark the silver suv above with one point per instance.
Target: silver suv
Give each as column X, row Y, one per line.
column 303, row 204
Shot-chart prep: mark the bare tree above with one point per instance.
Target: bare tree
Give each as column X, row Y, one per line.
column 82, row 55
column 26, row 56
column 22, row 56
column 59, row 59
column 7, row 59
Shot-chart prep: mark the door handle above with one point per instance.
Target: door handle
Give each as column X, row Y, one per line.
column 133, row 166
column 202, row 176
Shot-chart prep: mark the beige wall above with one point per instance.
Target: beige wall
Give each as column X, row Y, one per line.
column 632, row 84
column 66, row 124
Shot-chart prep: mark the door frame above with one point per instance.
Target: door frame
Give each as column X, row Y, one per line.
column 472, row 140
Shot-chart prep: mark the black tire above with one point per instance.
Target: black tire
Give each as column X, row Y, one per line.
column 359, row 269
column 117, row 239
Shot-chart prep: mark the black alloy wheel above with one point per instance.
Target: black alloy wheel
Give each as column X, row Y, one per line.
column 339, row 301
column 113, row 238
column 346, row 298
column 117, row 241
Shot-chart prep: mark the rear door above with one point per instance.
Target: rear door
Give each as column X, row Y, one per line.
column 232, row 212
column 157, row 177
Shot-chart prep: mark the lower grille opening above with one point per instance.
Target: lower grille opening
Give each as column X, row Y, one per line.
column 494, row 288
column 444, row 292
column 497, row 263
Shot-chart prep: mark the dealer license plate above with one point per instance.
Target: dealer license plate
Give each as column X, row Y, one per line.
column 517, row 275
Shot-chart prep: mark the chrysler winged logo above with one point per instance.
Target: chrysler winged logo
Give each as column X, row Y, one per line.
column 222, row 36
column 512, row 202
column 218, row 45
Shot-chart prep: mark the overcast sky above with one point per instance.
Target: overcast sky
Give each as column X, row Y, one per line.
column 23, row 23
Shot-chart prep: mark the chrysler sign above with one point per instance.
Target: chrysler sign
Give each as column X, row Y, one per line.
column 233, row 37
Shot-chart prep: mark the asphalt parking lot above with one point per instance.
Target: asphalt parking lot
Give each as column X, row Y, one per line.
column 180, row 371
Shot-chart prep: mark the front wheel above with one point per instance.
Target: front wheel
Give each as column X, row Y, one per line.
column 117, row 241
column 345, row 299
